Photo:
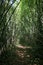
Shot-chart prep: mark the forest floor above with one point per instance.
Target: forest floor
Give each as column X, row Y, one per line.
column 21, row 56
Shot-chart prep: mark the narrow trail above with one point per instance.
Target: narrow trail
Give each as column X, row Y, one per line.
column 22, row 51
column 24, row 55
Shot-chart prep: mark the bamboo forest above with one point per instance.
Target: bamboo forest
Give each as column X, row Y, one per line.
column 21, row 32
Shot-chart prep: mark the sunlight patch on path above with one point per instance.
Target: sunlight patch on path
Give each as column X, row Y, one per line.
column 23, row 47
